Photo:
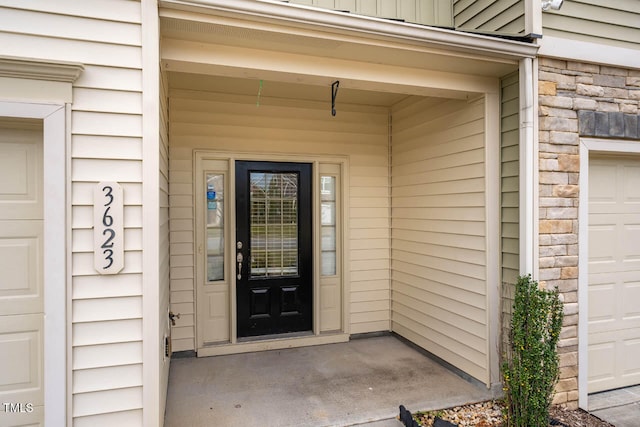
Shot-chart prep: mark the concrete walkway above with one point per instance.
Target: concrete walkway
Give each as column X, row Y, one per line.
column 359, row 382
column 619, row 407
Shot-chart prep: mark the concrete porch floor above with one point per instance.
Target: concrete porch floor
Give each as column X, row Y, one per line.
column 359, row 382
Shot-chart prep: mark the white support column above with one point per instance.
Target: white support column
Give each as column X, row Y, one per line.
column 528, row 171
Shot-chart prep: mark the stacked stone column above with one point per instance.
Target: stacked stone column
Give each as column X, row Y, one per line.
column 569, row 90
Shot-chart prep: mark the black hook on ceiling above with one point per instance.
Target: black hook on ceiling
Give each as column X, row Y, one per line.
column 334, row 92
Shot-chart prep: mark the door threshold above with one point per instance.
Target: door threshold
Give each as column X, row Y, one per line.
column 276, row 336
column 273, row 342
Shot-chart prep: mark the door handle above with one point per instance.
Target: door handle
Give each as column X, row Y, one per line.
column 239, row 259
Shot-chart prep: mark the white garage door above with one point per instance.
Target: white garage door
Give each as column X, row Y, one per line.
column 21, row 275
column 614, row 272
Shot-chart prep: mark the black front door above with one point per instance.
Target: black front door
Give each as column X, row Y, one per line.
column 273, row 250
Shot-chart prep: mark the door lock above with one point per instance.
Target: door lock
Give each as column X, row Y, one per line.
column 173, row 318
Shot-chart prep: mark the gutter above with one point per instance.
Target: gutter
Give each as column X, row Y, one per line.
column 332, row 21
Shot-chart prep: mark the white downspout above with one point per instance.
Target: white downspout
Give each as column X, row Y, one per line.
column 528, row 190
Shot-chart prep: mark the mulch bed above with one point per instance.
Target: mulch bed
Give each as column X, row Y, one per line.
column 489, row 414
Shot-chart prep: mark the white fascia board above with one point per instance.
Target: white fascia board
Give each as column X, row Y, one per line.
column 581, row 51
column 371, row 27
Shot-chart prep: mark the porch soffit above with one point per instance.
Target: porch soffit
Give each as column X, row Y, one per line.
column 282, row 42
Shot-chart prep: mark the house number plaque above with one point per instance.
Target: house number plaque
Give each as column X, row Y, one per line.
column 108, row 212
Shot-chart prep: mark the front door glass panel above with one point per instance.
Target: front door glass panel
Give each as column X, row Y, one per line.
column 274, row 224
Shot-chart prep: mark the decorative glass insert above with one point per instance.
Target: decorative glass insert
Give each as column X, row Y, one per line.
column 273, row 198
column 215, row 226
column 328, row 225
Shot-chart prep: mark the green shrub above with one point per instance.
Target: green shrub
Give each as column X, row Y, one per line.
column 530, row 369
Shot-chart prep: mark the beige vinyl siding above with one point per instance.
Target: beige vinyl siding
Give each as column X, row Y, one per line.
column 501, row 16
column 509, row 196
column 106, row 118
column 426, row 12
column 439, row 290
column 233, row 123
column 510, row 183
column 165, row 260
column 614, row 23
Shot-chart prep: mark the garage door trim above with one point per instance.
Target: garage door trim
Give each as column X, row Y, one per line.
column 587, row 146
column 53, row 117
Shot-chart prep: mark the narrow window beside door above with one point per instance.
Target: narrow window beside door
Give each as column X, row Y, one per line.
column 215, row 227
column 328, row 225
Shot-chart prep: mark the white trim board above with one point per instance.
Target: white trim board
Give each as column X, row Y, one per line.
column 576, row 50
column 55, row 251
column 587, row 145
column 153, row 360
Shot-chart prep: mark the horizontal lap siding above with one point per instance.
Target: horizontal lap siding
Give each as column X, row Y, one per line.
column 502, row 16
column 106, row 127
column 509, row 168
column 614, row 22
column 509, row 195
column 233, row 123
column 427, row 12
column 438, row 258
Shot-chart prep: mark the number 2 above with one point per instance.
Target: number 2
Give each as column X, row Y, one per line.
column 108, row 243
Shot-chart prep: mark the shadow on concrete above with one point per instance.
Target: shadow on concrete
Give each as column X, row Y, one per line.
column 353, row 383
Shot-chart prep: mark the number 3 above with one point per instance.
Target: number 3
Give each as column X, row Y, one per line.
column 108, row 258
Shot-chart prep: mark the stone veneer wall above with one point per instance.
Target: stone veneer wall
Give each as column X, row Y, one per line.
column 575, row 99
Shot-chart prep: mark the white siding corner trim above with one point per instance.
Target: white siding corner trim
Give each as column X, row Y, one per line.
column 153, row 368
column 55, row 251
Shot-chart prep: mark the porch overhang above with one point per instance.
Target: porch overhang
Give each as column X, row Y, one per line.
column 277, row 41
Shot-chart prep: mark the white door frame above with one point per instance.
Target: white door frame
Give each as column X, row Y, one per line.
column 318, row 338
column 55, row 257
column 587, row 145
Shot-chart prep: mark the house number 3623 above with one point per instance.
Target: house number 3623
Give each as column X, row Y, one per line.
column 108, row 255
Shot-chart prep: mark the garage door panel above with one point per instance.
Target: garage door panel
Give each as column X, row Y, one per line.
column 24, row 419
column 601, row 362
column 602, row 252
column 21, row 370
column 630, row 306
column 21, row 173
column 614, row 272
column 600, row 188
column 631, row 361
column 631, row 176
column 21, row 245
column 602, row 304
